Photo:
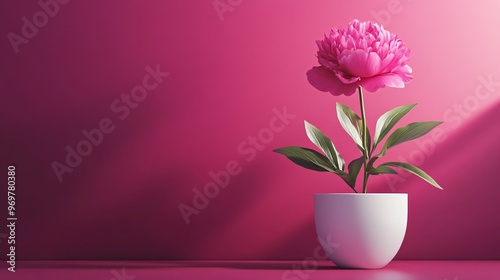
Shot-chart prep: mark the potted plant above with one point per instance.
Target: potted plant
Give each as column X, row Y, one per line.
column 367, row 229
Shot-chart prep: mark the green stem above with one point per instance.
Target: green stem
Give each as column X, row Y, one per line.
column 365, row 146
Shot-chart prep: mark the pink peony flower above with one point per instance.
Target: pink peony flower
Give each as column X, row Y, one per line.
column 364, row 54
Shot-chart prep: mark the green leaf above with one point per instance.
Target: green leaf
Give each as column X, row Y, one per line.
column 354, row 167
column 351, row 123
column 407, row 133
column 372, row 161
column 414, row 170
column 382, row 169
column 345, row 177
column 387, row 121
column 313, row 160
column 368, row 136
column 307, row 158
column 325, row 144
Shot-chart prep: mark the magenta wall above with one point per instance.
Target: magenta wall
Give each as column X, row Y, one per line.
column 183, row 92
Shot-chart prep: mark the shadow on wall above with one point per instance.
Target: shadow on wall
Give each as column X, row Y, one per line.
column 459, row 222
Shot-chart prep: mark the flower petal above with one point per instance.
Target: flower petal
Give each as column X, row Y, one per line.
column 345, row 78
column 362, row 64
column 387, row 80
column 323, row 79
column 405, row 73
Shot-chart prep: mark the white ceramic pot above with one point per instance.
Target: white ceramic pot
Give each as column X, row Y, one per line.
column 361, row 230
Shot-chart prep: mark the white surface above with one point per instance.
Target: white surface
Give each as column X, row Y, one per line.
column 361, row 230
